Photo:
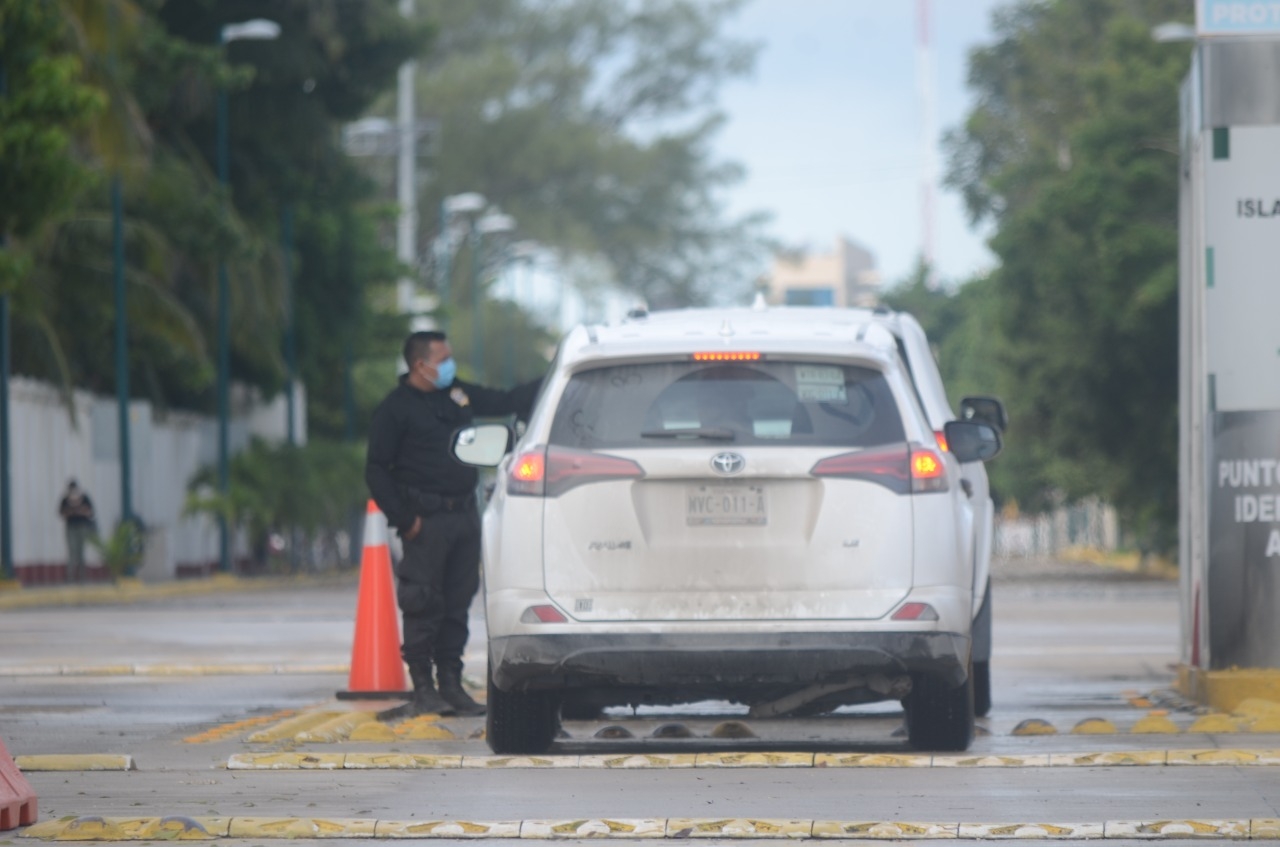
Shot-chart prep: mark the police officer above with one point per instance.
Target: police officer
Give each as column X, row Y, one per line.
column 429, row 497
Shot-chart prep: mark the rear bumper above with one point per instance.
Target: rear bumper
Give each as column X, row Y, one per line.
column 719, row 661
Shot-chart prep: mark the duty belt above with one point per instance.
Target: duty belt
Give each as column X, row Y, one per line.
column 457, row 504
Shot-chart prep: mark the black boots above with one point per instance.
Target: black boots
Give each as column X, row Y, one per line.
column 426, row 700
column 455, row 695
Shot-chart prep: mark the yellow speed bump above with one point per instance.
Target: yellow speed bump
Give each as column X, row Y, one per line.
column 372, row 731
column 448, row 829
column 871, row 760
column 335, row 729
column 1109, row 759
column 986, row 831
column 286, row 761
column 892, row 830
column 737, row 828
column 595, row 828
column 1094, row 726
column 1215, row 723
column 1155, row 724
column 95, row 828
column 291, row 727
column 400, row 761
column 75, row 762
column 1224, row 757
column 1035, row 726
column 754, row 760
column 1178, row 829
column 1034, row 761
column 302, row 828
column 519, row 761
column 639, row 761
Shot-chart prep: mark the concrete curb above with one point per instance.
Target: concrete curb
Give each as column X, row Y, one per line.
column 173, row 669
column 368, row 761
column 133, row 590
column 75, row 762
column 210, row 828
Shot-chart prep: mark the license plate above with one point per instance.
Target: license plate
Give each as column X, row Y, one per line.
column 725, row 505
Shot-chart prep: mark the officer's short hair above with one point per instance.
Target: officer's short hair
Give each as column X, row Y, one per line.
column 418, row 345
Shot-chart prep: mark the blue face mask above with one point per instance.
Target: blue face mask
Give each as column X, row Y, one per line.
column 445, row 372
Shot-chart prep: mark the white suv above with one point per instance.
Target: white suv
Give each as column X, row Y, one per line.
column 733, row 504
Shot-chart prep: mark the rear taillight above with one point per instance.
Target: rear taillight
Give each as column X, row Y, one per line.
column 941, row 437
column 915, row 612
column 551, row 471
column 543, row 614
column 902, row 468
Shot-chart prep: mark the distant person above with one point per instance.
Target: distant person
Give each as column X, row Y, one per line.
column 430, row 498
column 76, row 510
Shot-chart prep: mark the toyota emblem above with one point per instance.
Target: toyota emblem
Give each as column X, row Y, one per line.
column 728, row 464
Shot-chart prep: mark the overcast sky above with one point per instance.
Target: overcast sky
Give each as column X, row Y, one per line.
column 828, row 126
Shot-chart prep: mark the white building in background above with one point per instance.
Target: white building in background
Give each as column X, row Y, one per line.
column 844, row 277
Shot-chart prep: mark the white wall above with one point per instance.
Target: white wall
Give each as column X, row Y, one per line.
column 49, row 447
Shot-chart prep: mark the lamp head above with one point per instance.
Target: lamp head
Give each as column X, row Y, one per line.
column 258, row 29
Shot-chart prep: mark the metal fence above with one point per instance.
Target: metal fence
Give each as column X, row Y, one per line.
column 54, row 441
column 1088, row 523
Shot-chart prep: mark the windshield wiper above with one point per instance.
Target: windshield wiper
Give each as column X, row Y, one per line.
column 715, row 433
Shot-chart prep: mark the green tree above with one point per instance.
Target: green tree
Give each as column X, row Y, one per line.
column 44, row 103
column 590, row 121
column 1072, row 152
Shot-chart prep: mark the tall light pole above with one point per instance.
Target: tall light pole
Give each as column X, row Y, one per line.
column 258, row 29
column 407, row 179
column 6, row 501
column 492, row 224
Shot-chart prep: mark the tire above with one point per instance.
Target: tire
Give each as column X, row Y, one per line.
column 940, row 717
column 520, row 722
column 981, row 688
column 982, row 656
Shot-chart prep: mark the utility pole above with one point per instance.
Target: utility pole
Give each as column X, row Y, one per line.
column 406, row 177
column 928, row 141
column 122, row 317
column 6, row 500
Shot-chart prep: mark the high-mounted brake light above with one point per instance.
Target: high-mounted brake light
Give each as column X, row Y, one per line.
column 727, row 356
column 552, row 471
column 901, row 468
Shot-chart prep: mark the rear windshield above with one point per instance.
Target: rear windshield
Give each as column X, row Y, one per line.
column 765, row 403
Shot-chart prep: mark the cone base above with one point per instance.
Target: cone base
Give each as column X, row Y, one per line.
column 374, row 695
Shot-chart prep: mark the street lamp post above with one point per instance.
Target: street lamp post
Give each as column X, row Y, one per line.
column 258, row 29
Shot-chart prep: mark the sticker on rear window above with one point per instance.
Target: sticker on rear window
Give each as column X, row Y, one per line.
column 820, row 384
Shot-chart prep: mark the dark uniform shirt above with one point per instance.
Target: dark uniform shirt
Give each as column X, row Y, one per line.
column 410, row 442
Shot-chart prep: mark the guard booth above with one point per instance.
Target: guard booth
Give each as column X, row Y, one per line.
column 1229, row 396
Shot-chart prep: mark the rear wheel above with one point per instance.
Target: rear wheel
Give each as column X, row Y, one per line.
column 520, row 721
column 940, row 716
column 981, row 688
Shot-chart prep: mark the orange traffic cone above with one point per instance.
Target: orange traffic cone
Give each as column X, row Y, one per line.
column 18, row 804
column 376, row 668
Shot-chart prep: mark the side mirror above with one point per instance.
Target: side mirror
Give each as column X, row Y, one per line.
column 971, row 441
column 483, row 445
column 988, row 410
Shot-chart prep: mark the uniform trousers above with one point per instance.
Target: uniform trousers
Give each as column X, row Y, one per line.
column 436, row 580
